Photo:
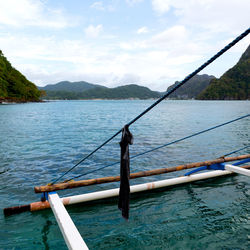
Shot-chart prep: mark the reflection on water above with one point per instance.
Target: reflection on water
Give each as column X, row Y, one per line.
column 45, row 232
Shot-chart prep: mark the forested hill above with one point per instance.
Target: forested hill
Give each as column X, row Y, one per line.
column 192, row 88
column 65, row 91
column 233, row 85
column 70, row 86
column 14, row 86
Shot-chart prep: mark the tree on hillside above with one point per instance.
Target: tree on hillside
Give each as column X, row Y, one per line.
column 14, row 85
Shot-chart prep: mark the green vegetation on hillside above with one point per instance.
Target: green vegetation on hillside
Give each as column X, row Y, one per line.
column 13, row 85
column 70, row 86
column 122, row 92
column 192, row 88
column 233, row 85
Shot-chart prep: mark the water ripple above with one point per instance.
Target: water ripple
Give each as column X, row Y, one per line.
column 38, row 142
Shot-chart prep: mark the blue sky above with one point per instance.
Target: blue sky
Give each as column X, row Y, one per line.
column 116, row 42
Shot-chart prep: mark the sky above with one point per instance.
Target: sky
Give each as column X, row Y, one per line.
column 117, row 42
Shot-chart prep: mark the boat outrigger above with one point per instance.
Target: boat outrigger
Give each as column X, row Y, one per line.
column 214, row 168
column 218, row 165
column 73, row 239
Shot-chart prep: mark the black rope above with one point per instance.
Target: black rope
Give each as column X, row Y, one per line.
column 236, row 40
column 112, row 137
column 168, row 144
column 236, row 151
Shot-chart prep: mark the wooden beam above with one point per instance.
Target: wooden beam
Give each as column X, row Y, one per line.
column 81, row 183
column 69, row 231
column 237, row 170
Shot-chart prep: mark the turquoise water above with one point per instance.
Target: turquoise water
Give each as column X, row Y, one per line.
column 40, row 141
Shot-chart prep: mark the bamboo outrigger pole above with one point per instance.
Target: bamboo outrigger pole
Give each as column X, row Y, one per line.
column 81, row 183
column 40, row 205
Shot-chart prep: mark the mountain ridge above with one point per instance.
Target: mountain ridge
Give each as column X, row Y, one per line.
column 131, row 91
column 192, row 88
column 70, row 86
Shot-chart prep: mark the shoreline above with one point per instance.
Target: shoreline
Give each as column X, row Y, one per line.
column 137, row 99
column 11, row 100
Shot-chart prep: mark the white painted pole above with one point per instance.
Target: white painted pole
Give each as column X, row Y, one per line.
column 143, row 187
column 70, row 233
column 237, row 170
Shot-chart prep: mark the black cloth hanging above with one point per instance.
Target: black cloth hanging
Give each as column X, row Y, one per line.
column 123, row 204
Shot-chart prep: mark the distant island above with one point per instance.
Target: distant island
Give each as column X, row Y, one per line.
column 232, row 85
column 84, row 90
column 14, row 87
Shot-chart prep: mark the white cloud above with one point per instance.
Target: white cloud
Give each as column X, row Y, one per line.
column 134, row 45
column 177, row 40
column 214, row 15
column 31, row 13
column 161, row 6
column 170, row 37
column 98, row 5
column 132, row 2
column 163, row 58
column 166, row 54
column 127, row 78
column 142, row 30
column 93, row 31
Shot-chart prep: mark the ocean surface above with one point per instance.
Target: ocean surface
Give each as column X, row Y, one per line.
column 40, row 141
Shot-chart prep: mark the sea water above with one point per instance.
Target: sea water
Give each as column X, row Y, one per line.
column 41, row 141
